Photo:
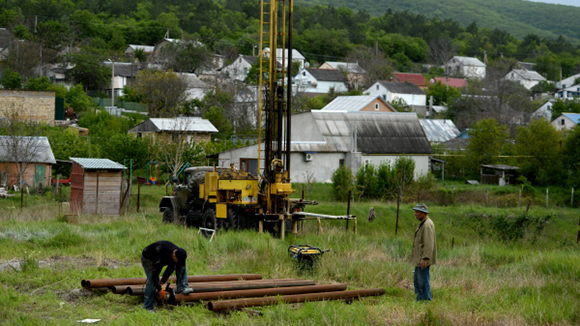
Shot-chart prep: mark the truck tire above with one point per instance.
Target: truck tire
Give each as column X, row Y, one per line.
column 209, row 219
column 194, row 182
column 231, row 222
column 168, row 216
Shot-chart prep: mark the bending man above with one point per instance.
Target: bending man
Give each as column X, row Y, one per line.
column 424, row 253
column 154, row 257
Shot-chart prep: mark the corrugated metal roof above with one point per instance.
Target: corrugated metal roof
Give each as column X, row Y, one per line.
column 146, row 48
column 184, row 124
column 416, row 79
column 351, row 103
column 529, row 75
column 439, row 130
column 351, row 67
column 377, row 133
column 98, row 163
column 455, row 82
column 402, row 88
column 575, row 117
column 469, row 61
column 40, row 149
column 326, row 74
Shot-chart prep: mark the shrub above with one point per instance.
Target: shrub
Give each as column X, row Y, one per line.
column 366, row 182
column 342, row 182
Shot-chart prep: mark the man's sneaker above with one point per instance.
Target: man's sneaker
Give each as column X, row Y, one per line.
column 185, row 291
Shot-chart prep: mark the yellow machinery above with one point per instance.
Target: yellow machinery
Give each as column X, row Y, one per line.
column 229, row 198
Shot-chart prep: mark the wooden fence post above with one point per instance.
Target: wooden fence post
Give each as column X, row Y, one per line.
column 486, row 195
column 572, row 198
column 138, row 196
column 347, row 209
column 398, row 202
column 547, row 195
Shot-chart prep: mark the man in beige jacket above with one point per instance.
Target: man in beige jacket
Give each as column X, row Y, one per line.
column 424, row 253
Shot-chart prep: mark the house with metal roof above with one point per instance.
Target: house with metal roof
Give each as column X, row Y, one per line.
column 362, row 103
column 131, row 48
column 324, row 140
column 32, row 156
column 568, row 92
column 96, row 186
column 527, row 78
column 466, row 67
column 439, row 130
column 394, row 91
column 416, row 79
column 354, row 73
column 453, row 82
column 282, row 56
column 196, row 129
column 544, row 110
column 566, row 121
column 319, row 81
column 238, row 70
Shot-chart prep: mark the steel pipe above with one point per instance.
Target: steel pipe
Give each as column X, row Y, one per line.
column 230, row 286
column 97, row 283
column 258, row 292
column 297, row 298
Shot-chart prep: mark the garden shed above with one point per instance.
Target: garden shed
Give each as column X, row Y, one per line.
column 96, row 186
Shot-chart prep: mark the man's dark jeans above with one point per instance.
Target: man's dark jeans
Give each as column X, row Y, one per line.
column 181, row 274
column 422, row 284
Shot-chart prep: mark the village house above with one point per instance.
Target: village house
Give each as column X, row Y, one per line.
column 239, row 69
column 453, row 82
column 322, row 141
column 131, row 48
column 466, row 67
column 33, row 155
column 567, row 82
column 354, row 73
column 194, row 128
column 395, row 91
column 362, row 103
column 526, row 78
column 319, row 81
column 568, row 92
column 282, row 56
column 544, row 111
column 566, row 121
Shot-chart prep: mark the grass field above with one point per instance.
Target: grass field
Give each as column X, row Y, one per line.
column 496, row 266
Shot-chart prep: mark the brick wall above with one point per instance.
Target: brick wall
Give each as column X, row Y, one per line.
column 37, row 106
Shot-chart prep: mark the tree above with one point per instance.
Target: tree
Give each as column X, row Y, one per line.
column 163, row 92
column 185, row 56
column 571, row 156
column 218, row 118
column 569, row 106
column 20, row 143
column 488, row 141
column 442, row 94
column 11, row 79
column 88, row 69
column 376, row 65
column 23, row 57
column 537, row 146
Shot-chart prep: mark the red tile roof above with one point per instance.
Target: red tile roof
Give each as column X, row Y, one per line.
column 455, row 82
column 416, row 79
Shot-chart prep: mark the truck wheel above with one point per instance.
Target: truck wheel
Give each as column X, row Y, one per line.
column 209, row 219
column 231, row 222
column 168, row 216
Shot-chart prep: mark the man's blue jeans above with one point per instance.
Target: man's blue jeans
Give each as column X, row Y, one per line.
column 422, row 284
column 181, row 283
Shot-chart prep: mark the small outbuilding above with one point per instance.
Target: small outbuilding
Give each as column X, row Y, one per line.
column 497, row 174
column 96, row 186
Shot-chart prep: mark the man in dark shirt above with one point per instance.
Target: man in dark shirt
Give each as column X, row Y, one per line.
column 154, row 257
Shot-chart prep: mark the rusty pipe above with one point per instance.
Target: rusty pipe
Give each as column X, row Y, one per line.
column 258, row 292
column 97, row 283
column 297, row 298
column 229, row 286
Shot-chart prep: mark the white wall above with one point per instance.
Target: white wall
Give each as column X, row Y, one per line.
column 238, row 70
column 421, row 162
column 562, row 123
column 411, row 99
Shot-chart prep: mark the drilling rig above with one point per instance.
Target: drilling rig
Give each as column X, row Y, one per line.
column 231, row 199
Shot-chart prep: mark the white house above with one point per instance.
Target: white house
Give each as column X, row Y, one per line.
column 296, row 56
column 319, row 81
column 466, row 67
column 196, row 88
column 544, row 111
column 124, row 75
column 567, row 82
column 323, row 141
column 568, row 92
column 566, row 121
column 393, row 91
column 238, row 70
column 194, row 128
column 526, row 78
column 362, row 103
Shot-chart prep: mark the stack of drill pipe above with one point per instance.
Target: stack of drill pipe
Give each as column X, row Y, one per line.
column 104, row 284
column 205, row 296
column 230, row 285
column 297, row 298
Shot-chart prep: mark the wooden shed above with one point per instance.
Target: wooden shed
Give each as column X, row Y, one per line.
column 96, row 186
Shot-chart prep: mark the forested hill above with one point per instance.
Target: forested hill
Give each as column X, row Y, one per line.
column 518, row 17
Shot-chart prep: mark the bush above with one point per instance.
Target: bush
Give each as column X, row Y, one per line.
column 366, row 182
column 342, row 182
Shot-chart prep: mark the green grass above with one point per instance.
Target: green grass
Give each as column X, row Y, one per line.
column 482, row 280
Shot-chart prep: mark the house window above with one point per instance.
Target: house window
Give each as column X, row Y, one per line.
column 240, row 59
column 376, row 106
column 245, row 71
column 563, row 122
column 563, row 85
column 385, row 97
column 249, row 165
column 341, row 162
column 377, row 87
column 304, row 73
column 235, row 71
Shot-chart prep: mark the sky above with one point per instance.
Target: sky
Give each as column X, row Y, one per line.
column 575, row 3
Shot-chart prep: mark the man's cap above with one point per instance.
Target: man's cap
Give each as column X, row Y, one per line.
column 421, row 208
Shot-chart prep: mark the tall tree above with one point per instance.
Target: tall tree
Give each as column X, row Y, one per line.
column 163, row 92
column 488, row 141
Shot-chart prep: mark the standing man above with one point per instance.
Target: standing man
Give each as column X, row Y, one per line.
column 154, row 257
column 424, row 253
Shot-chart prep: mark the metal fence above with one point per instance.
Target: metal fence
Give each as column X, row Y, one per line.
column 131, row 106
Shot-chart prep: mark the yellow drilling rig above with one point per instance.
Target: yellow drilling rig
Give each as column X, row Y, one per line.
column 232, row 199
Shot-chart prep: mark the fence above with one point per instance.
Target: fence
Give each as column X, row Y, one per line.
column 129, row 106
